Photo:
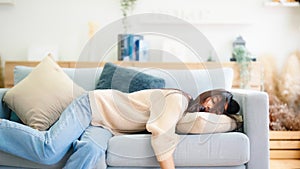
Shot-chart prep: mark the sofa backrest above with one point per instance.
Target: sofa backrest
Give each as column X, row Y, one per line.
column 85, row 77
column 191, row 81
column 194, row 81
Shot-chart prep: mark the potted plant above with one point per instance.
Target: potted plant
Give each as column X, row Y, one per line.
column 128, row 43
column 243, row 58
column 126, row 7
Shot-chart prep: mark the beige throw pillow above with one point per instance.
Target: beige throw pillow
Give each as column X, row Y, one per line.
column 41, row 97
column 203, row 122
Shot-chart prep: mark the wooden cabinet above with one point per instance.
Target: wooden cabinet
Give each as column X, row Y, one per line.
column 255, row 83
column 284, row 149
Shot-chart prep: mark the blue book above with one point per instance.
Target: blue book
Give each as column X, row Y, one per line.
column 129, row 47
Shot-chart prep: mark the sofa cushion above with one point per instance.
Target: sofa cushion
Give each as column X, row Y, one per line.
column 127, row 80
column 40, row 98
column 14, row 117
column 203, row 122
column 221, row 149
column 9, row 161
column 87, row 78
column 4, row 109
column 205, row 167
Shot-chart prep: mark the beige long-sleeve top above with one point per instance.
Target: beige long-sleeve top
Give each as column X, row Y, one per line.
column 156, row 110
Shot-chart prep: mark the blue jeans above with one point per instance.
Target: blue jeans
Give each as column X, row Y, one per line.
column 47, row 147
column 90, row 149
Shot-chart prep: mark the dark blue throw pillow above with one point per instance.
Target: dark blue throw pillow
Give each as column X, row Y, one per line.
column 127, row 80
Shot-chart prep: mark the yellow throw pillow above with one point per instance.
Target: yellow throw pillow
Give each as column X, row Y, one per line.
column 41, row 97
column 203, row 122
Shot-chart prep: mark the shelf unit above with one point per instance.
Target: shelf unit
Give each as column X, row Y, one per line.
column 160, row 21
column 229, row 22
column 255, row 83
column 282, row 4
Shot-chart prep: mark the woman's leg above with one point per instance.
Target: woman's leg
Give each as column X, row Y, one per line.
column 90, row 149
column 46, row 147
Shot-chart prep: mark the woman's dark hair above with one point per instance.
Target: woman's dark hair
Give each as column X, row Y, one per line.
column 232, row 108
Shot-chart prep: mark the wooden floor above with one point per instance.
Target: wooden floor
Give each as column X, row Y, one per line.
column 284, row 149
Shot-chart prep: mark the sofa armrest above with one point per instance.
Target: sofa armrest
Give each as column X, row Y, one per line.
column 255, row 110
column 4, row 110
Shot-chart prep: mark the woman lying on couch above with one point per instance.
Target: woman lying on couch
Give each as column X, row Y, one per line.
column 154, row 110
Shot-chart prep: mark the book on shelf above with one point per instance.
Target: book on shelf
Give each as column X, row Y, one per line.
column 130, row 47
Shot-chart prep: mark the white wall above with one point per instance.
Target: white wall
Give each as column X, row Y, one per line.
column 64, row 23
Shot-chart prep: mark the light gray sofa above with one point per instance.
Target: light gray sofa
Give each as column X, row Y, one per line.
column 248, row 148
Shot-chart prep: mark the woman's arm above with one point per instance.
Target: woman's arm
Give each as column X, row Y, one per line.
column 167, row 164
column 164, row 115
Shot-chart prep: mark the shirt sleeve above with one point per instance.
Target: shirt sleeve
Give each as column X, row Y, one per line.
column 165, row 111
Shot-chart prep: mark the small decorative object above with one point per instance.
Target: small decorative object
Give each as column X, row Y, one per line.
column 288, row 1
column 210, row 57
column 239, row 41
column 243, row 59
column 93, row 27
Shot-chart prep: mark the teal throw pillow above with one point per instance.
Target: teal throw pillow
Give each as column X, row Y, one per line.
column 14, row 117
column 127, row 80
